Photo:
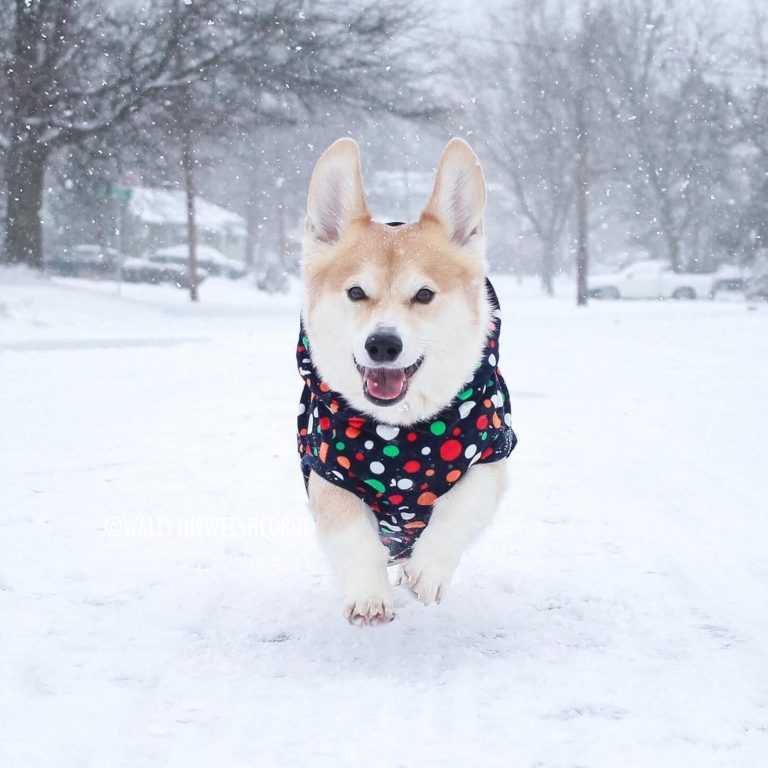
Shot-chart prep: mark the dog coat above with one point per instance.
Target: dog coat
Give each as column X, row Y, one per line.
column 400, row 472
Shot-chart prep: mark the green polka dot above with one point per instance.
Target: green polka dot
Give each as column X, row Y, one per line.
column 340, row 446
column 483, row 435
column 314, row 450
column 465, row 394
column 377, row 485
column 305, row 342
column 437, row 428
column 390, row 450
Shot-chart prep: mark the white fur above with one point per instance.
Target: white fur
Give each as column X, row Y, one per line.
column 359, row 560
column 451, row 346
column 457, row 519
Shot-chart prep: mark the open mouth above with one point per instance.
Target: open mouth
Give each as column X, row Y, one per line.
column 387, row 386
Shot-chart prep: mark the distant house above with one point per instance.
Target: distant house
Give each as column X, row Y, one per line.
column 157, row 218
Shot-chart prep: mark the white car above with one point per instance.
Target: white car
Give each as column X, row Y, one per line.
column 651, row 280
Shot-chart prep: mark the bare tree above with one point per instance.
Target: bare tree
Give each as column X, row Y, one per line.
column 73, row 69
column 657, row 70
column 527, row 113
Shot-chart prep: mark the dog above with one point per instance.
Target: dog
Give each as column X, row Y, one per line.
column 404, row 426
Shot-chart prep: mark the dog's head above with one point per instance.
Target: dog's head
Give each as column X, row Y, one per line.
column 397, row 316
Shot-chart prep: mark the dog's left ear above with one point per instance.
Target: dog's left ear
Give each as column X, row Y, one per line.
column 336, row 197
column 458, row 197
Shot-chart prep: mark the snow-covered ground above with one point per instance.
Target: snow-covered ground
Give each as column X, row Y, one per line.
column 163, row 600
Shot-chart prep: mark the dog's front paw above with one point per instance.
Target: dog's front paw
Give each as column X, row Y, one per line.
column 428, row 573
column 373, row 607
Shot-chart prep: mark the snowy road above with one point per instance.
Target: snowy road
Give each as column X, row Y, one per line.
column 163, row 600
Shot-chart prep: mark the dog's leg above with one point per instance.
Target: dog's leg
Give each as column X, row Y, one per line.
column 349, row 535
column 457, row 519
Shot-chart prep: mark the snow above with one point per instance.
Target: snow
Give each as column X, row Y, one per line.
column 169, row 206
column 165, row 602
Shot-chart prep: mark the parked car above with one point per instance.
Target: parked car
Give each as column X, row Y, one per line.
column 757, row 289
column 138, row 270
column 83, row 261
column 214, row 262
column 651, row 280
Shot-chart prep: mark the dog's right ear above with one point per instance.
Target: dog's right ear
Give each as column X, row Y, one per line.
column 336, row 197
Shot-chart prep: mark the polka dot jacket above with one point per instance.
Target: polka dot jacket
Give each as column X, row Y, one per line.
column 400, row 472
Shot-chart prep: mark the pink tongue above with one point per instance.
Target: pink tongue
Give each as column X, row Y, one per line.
column 385, row 383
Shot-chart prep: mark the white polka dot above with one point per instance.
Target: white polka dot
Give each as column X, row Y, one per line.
column 492, row 359
column 404, row 484
column 508, row 419
column 497, row 399
column 377, row 468
column 407, row 515
column 310, row 422
column 368, row 444
column 475, row 458
column 302, row 408
column 465, row 408
column 426, row 450
column 315, row 413
column 337, row 474
column 386, row 432
column 470, row 451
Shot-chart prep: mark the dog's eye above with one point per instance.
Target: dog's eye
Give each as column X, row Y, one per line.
column 356, row 293
column 424, row 296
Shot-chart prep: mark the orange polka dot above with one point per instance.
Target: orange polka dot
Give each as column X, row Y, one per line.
column 487, row 403
column 426, row 499
column 453, row 476
column 496, row 420
column 352, row 432
column 323, row 453
column 344, row 461
column 415, row 524
column 334, row 406
column 429, row 472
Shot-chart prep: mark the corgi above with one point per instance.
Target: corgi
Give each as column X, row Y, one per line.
column 404, row 426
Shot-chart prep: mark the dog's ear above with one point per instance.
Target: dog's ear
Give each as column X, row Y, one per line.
column 458, row 197
column 336, row 197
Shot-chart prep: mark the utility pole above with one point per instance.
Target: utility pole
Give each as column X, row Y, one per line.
column 582, row 163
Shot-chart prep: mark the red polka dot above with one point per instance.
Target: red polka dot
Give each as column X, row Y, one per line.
column 424, row 486
column 412, row 466
column 486, row 453
column 492, row 343
column 396, row 498
column 356, row 422
column 482, row 422
column 456, row 432
column 412, row 437
column 325, row 423
column 359, row 456
column 450, row 450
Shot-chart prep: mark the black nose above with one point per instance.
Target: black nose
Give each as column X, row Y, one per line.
column 383, row 347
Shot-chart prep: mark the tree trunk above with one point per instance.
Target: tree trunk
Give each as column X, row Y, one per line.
column 582, row 203
column 548, row 268
column 582, row 167
column 24, row 176
column 187, row 161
